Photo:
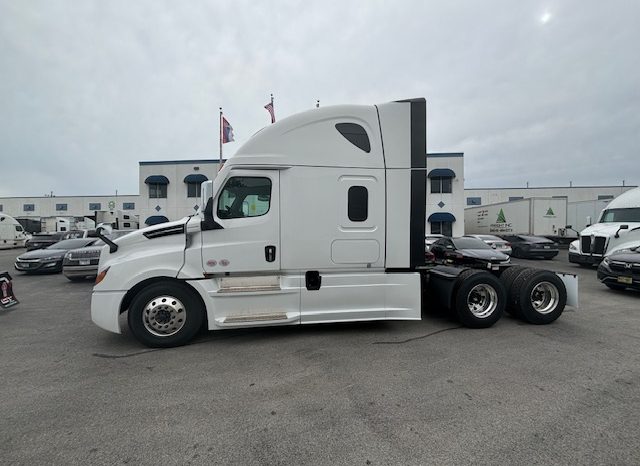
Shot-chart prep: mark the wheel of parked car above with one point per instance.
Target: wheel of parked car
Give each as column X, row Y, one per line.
column 479, row 299
column 615, row 286
column 507, row 278
column 76, row 279
column 165, row 314
column 515, row 252
column 537, row 296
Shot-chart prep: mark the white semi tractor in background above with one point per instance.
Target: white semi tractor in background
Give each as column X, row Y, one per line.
column 539, row 216
column 12, row 234
column 618, row 227
column 318, row 218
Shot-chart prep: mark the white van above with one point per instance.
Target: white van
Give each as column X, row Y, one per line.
column 12, row 235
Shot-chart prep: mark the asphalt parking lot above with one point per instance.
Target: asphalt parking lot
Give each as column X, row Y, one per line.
column 425, row 392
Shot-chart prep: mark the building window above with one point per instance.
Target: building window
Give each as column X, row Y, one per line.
column 61, row 206
column 440, row 184
column 601, row 197
column 128, row 205
column 95, row 206
column 358, row 203
column 126, row 225
column 515, row 198
column 560, row 197
column 29, row 207
column 193, row 189
column 442, row 228
column 1, row 207
column 474, row 201
column 157, row 191
column 244, row 196
column 355, row 134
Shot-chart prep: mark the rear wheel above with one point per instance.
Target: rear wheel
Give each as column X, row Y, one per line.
column 479, row 299
column 507, row 278
column 165, row 315
column 538, row 296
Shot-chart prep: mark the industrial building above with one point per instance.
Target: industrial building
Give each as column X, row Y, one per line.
column 486, row 196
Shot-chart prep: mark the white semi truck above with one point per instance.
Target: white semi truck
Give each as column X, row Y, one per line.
column 12, row 235
column 318, row 218
column 618, row 227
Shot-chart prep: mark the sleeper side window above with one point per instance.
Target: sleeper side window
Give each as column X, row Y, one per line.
column 355, row 134
column 244, row 196
column 358, row 203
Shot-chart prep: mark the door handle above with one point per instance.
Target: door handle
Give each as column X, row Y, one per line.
column 270, row 253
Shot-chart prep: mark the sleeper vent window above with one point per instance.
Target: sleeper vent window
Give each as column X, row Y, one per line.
column 358, row 203
column 355, row 134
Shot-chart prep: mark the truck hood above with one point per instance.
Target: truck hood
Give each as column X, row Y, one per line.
column 154, row 231
column 607, row 229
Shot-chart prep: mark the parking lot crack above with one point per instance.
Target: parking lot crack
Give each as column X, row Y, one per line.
column 408, row 340
column 126, row 355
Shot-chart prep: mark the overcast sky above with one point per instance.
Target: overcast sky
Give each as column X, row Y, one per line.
column 544, row 92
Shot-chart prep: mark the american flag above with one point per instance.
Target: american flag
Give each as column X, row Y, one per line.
column 269, row 108
column 227, row 131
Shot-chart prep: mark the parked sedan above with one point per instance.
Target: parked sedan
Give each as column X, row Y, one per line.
column 50, row 258
column 43, row 240
column 470, row 252
column 429, row 240
column 496, row 243
column 532, row 247
column 621, row 269
column 82, row 263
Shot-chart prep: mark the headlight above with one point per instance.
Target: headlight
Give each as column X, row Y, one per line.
column 573, row 247
column 605, row 261
column 67, row 255
column 52, row 258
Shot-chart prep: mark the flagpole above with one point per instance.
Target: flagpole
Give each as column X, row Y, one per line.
column 220, row 161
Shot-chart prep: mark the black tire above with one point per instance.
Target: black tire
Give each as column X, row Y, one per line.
column 586, row 266
column 165, row 315
column 515, row 252
column 75, row 279
column 507, row 278
column 615, row 286
column 478, row 285
column 538, row 296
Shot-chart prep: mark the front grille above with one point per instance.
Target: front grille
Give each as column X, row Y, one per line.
column 599, row 243
column 622, row 267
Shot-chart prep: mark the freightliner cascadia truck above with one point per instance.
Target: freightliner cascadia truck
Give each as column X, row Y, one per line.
column 317, row 218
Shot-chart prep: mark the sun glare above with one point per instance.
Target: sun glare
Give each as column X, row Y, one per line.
column 545, row 18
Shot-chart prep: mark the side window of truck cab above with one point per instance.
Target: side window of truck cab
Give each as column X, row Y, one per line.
column 244, row 196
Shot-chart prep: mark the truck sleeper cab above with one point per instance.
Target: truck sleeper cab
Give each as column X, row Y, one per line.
column 319, row 217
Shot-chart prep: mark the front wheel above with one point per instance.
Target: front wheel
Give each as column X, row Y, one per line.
column 165, row 314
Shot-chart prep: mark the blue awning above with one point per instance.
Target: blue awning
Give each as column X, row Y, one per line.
column 195, row 178
column 441, row 173
column 157, row 179
column 155, row 219
column 442, row 217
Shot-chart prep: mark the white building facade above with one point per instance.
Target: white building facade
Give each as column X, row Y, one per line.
column 445, row 194
column 170, row 189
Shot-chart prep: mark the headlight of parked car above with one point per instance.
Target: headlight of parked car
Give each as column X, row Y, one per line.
column 605, row 261
column 573, row 247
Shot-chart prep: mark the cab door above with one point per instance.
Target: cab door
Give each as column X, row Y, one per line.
column 247, row 209
column 241, row 254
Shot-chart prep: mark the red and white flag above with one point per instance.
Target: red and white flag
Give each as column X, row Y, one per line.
column 227, row 131
column 269, row 108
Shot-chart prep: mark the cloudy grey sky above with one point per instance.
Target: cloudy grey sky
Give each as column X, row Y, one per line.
column 538, row 91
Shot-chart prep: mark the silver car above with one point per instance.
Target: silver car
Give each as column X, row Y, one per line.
column 82, row 263
column 495, row 242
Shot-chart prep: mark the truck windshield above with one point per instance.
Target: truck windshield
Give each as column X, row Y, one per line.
column 621, row 215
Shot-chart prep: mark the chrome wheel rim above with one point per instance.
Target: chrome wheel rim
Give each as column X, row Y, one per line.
column 545, row 297
column 164, row 316
column 482, row 300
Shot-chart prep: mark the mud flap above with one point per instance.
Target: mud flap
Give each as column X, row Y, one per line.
column 571, row 284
